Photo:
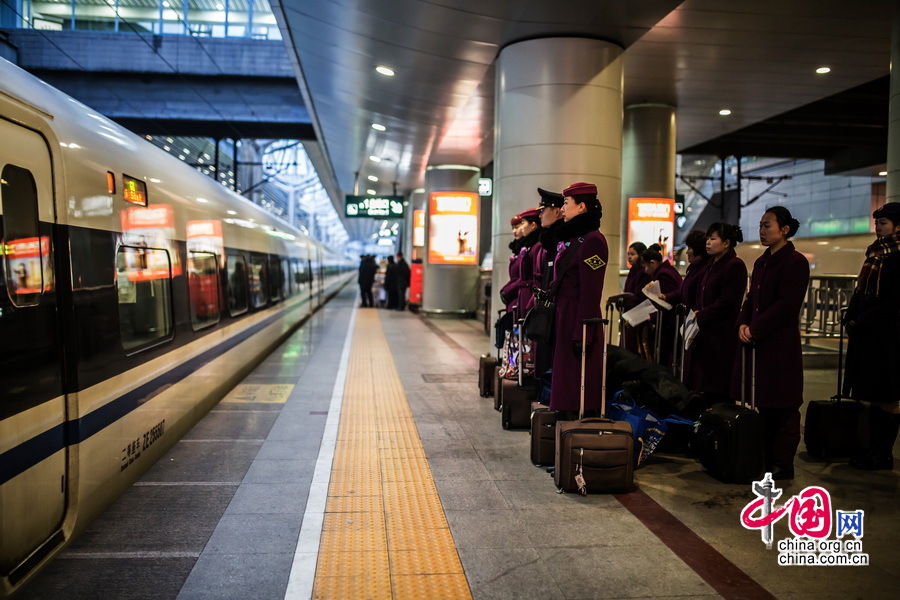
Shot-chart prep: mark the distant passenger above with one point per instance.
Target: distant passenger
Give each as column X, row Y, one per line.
column 402, row 284
column 635, row 281
column 670, row 280
column 720, row 288
column 390, row 283
column 581, row 258
column 873, row 329
column 770, row 319
column 366, row 278
column 698, row 259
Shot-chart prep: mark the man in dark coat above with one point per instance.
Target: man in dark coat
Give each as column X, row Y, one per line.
column 581, row 258
column 403, row 275
column 544, row 255
column 873, row 330
column 770, row 319
column 366, row 278
column 390, row 283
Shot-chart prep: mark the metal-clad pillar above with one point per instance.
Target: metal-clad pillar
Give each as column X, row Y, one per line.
column 893, row 149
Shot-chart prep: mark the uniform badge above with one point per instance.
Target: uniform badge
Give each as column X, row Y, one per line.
column 595, row 262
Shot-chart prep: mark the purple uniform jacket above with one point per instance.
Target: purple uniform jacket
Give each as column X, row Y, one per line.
column 688, row 293
column 578, row 298
column 772, row 310
column 510, row 291
column 670, row 281
column 635, row 281
column 527, row 279
column 720, row 289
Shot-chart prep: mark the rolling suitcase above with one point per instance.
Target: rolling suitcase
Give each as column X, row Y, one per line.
column 543, row 434
column 593, row 455
column 486, row 366
column 730, row 439
column 498, row 388
column 832, row 427
column 517, row 397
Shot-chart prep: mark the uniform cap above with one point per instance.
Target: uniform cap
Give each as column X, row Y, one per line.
column 580, row 188
column 891, row 211
column 549, row 199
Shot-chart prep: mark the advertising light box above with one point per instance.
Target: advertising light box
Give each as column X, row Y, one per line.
column 382, row 207
column 453, row 228
column 418, row 228
column 652, row 221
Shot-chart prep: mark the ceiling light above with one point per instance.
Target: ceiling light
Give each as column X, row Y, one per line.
column 166, row 148
column 219, row 6
column 202, row 200
column 725, row 112
column 375, row 159
column 371, row 192
column 232, row 212
column 386, row 71
column 882, row 173
column 823, row 70
column 378, row 127
column 372, row 178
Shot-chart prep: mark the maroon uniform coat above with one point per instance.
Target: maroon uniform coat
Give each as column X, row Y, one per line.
column 530, row 248
column 720, row 290
column 670, row 281
column 510, row 291
column 687, row 295
column 634, row 283
column 772, row 310
column 578, row 298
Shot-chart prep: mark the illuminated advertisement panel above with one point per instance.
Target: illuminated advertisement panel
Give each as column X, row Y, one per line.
column 652, row 221
column 453, row 228
column 29, row 265
column 151, row 228
column 418, row 228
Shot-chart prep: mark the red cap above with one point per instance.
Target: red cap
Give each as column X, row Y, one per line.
column 514, row 221
column 530, row 213
column 580, row 188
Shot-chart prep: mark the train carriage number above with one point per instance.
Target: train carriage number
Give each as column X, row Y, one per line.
column 133, row 450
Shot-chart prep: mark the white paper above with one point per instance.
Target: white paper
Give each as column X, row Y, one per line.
column 652, row 291
column 639, row 313
column 690, row 330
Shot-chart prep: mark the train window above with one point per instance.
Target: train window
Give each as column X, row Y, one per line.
column 257, row 277
column 203, row 288
column 286, row 277
column 236, row 269
column 27, row 251
column 144, row 284
column 275, row 278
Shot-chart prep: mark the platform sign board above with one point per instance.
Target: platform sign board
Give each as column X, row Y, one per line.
column 652, row 221
column 453, row 228
column 381, row 207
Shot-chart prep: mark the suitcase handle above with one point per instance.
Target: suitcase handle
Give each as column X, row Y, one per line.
column 752, row 346
column 584, row 326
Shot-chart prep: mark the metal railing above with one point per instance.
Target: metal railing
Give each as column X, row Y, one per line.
column 820, row 316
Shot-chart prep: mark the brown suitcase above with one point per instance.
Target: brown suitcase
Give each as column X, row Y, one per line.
column 594, row 455
column 498, row 389
column 516, row 408
column 486, row 366
column 543, row 434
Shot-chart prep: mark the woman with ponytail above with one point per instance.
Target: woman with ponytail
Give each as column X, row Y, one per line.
column 873, row 330
column 717, row 301
column 770, row 320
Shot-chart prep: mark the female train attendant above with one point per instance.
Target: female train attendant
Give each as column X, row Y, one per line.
column 530, row 227
column 698, row 259
column 635, row 281
column 719, row 291
column 670, row 281
column 873, row 329
column 509, row 293
column 770, row 320
column 580, row 266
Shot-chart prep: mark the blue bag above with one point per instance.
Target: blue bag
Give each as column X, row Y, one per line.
column 648, row 428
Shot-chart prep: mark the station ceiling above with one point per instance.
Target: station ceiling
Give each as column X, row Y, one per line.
column 758, row 59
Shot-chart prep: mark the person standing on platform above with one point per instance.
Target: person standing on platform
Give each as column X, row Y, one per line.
column 580, row 265
column 509, row 293
column 403, row 275
column 698, row 259
column 635, row 281
column 770, row 320
column 670, row 280
column 366, row 279
column 390, row 283
column 873, row 330
column 720, row 288
column 530, row 227
column 544, row 255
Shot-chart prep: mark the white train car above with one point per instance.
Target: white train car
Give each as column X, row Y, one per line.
column 134, row 293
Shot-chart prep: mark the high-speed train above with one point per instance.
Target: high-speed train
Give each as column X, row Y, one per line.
column 134, row 293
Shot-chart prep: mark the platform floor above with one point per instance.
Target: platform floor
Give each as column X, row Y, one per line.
column 360, row 462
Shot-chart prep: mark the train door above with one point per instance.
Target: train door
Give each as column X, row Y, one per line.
column 32, row 400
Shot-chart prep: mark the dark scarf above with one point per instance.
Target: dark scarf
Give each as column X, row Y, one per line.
column 868, row 282
column 515, row 245
column 549, row 235
column 531, row 239
column 578, row 226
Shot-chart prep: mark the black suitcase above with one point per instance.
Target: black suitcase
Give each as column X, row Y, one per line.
column 498, row 388
column 594, row 455
column 517, row 396
column 543, row 434
column 832, row 427
column 486, row 366
column 730, row 438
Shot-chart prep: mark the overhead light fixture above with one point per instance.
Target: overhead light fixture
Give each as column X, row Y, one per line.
column 202, row 200
column 386, row 71
column 375, row 159
column 371, row 192
column 378, row 127
column 823, row 70
column 372, row 178
column 725, row 112
column 232, row 212
column 882, row 173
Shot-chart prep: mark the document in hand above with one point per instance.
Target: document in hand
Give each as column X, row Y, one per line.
column 691, row 329
column 652, row 291
column 639, row 313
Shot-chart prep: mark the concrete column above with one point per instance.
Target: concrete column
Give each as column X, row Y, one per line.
column 449, row 289
column 558, row 121
column 893, row 149
column 648, row 159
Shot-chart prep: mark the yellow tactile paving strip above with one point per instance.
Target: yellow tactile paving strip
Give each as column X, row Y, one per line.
column 385, row 534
